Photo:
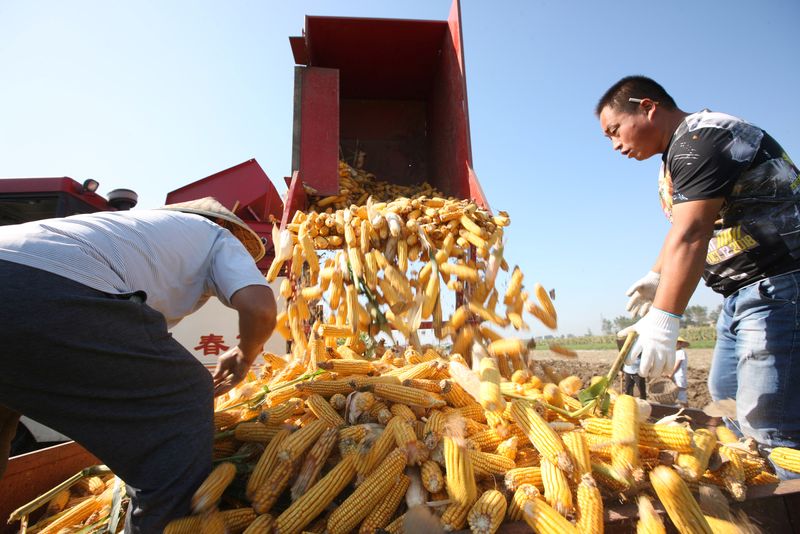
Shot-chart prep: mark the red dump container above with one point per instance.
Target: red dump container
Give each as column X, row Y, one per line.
column 394, row 89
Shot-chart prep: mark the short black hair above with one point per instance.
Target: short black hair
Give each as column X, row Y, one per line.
column 634, row 87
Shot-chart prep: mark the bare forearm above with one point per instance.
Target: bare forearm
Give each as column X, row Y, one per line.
column 257, row 311
column 683, row 256
column 683, row 260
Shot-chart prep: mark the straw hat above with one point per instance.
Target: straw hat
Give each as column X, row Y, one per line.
column 211, row 207
column 682, row 340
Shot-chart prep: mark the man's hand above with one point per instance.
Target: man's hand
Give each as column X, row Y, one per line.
column 231, row 369
column 642, row 293
column 658, row 335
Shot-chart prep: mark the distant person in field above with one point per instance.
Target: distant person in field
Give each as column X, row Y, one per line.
column 732, row 195
column 679, row 373
column 630, row 371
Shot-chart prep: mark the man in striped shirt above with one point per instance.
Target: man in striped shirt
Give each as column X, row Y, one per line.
column 87, row 303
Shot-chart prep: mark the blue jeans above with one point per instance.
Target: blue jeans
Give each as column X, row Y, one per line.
column 757, row 361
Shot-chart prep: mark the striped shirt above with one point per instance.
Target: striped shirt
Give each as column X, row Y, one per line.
column 177, row 259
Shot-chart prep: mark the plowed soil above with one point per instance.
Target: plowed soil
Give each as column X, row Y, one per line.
column 597, row 362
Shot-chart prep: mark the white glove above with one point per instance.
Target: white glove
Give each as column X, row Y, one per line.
column 642, row 293
column 658, row 334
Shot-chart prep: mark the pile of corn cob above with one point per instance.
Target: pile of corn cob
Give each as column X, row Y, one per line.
column 357, row 185
column 341, row 437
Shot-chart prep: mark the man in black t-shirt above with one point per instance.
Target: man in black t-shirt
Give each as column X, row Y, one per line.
column 732, row 195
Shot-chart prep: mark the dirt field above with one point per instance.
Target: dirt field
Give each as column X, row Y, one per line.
column 596, row 362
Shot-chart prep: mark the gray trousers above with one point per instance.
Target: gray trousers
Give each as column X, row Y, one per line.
column 104, row 371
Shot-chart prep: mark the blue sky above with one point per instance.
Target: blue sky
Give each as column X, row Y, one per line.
column 154, row 95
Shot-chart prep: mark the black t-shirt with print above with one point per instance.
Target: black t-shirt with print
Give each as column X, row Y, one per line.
column 713, row 155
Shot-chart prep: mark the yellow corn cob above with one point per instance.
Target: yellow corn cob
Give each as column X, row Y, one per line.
column 604, row 474
column 543, row 519
column 460, row 271
column 546, row 319
column 487, row 440
column 459, row 473
column 732, row 473
column 485, row 464
column 334, row 331
column 786, row 458
column 463, row 342
column 524, row 475
column 338, row 402
column 396, row 526
column 324, row 411
column 266, row 463
column 346, row 353
column 381, row 447
column 590, row 506
column 562, row 351
column 649, row 521
column 665, row 437
column 183, row 525
column 381, row 412
column 237, row 519
column 457, row 396
column 58, row 502
column 681, row 506
column 352, row 307
column 327, row 388
column 491, row 399
column 507, row 448
column 383, row 512
column 410, row 396
column 77, row 514
column 266, row 496
column 337, row 288
column 552, row 395
column 356, row 507
column 255, row 431
column 575, row 442
column 210, row 491
column 432, row 478
column 514, row 286
column 455, row 517
column 544, row 300
column 546, row 441
column 473, row 411
column 487, row 315
column 726, row 435
column 223, row 420
column 521, row 495
column 406, row 440
column 309, row 253
column 302, row 511
column 299, row 442
column 692, row 465
column 89, row 486
column 571, row 385
column 263, row 524
column 487, row 513
column 527, row 457
column 431, row 386
column 752, row 466
column 403, row 411
column 556, row 488
column 314, row 462
column 763, row 478
column 625, row 434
